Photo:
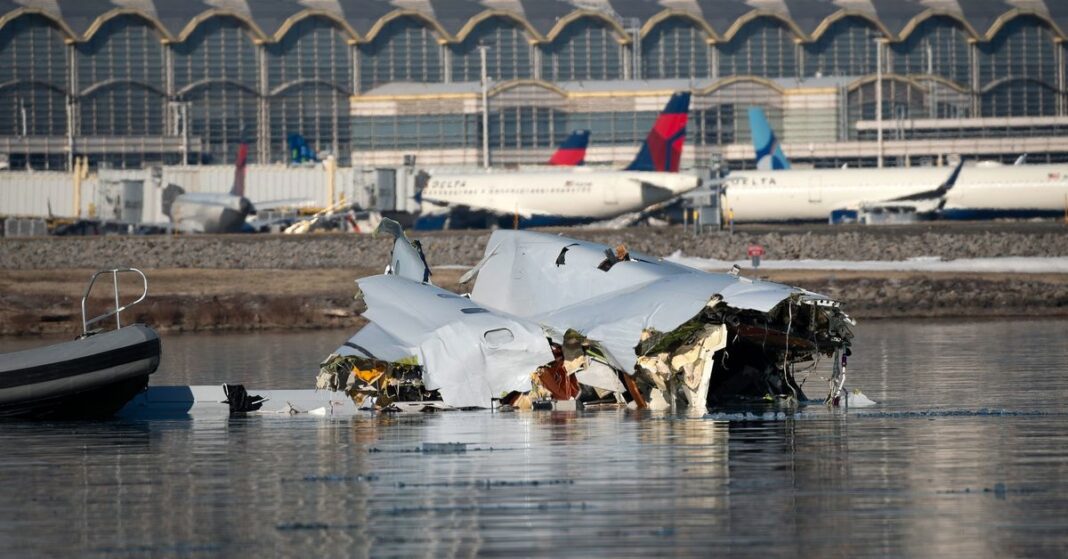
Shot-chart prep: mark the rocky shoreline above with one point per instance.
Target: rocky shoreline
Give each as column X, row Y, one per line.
column 466, row 247
column 240, row 283
column 274, row 300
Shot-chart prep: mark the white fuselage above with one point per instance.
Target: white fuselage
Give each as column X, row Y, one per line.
column 568, row 193
column 812, row 194
column 209, row 212
column 1010, row 189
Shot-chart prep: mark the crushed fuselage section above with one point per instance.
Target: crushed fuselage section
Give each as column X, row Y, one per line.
column 553, row 319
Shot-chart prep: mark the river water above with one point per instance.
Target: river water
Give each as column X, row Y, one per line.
column 966, row 454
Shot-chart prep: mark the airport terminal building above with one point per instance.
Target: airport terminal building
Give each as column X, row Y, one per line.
column 129, row 83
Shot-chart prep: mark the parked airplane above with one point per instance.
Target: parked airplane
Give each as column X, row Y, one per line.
column 984, row 191
column 789, row 194
column 216, row 212
column 576, row 195
column 572, row 150
column 1009, row 191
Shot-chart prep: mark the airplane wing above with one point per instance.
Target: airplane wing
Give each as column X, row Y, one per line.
column 926, row 201
column 287, row 203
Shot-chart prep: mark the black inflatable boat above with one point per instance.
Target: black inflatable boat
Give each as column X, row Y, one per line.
column 90, row 377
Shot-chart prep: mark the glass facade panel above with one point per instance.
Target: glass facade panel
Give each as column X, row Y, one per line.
column 676, row 48
column 126, row 48
column 508, row 56
column 628, row 127
column 314, row 49
column 1024, row 48
column 222, row 116
column 586, row 49
column 28, row 109
column 901, row 102
column 430, row 131
column 406, row 50
column 220, row 49
column 847, row 48
column 122, row 110
column 316, row 111
column 1019, row 98
column 764, row 47
column 716, row 125
column 938, row 46
column 33, row 49
column 526, row 127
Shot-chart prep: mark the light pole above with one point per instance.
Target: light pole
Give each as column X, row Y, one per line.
column 879, row 98
column 482, row 48
column 933, row 86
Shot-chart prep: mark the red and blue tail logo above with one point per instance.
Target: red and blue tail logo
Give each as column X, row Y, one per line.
column 662, row 149
column 238, row 189
column 572, row 151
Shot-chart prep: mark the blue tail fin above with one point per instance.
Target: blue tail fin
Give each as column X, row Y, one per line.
column 300, row 151
column 769, row 155
column 662, row 149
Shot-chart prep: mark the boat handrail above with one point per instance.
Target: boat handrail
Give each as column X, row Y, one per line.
column 118, row 309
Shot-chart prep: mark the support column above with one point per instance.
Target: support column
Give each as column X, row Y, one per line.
column 535, row 59
column 72, row 107
column 879, row 99
column 446, row 63
column 354, row 49
column 973, row 55
column 175, row 113
column 635, row 32
column 263, row 128
column 713, row 60
column 1062, row 86
column 485, row 108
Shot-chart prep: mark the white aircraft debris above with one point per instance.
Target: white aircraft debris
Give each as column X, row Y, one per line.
column 554, row 322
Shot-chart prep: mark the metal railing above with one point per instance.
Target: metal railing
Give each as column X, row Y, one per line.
column 118, row 309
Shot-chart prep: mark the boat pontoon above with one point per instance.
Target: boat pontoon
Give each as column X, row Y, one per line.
column 92, row 376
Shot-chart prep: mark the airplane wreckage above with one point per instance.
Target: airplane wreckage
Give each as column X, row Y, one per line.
column 557, row 323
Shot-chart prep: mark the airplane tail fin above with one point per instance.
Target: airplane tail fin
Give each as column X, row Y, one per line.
column 662, row 149
column 769, row 155
column 300, row 151
column 239, row 171
column 572, row 151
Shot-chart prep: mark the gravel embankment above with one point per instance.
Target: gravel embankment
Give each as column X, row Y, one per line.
column 341, row 251
column 306, row 282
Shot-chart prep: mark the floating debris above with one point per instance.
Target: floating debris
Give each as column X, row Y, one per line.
column 558, row 323
column 444, row 448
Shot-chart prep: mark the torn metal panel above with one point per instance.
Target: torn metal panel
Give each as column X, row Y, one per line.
column 374, row 342
column 553, row 319
column 469, row 353
column 600, row 376
column 615, row 297
column 524, row 277
column 407, row 259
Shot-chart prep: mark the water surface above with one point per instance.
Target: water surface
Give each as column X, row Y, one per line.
column 966, row 455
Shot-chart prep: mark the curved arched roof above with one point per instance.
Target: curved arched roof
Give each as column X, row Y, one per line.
column 269, row 19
